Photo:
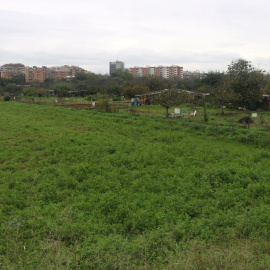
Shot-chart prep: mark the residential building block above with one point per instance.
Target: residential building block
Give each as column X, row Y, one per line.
column 9, row 70
column 166, row 72
column 39, row 74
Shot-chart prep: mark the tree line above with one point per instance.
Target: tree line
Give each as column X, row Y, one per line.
column 241, row 84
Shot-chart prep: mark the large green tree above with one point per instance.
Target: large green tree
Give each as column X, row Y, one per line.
column 267, row 84
column 213, row 79
column 125, row 75
column 131, row 91
column 223, row 95
column 17, row 79
column 170, row 98
column 12, row 89
column 244, row 81
column 154, row 83
column 34, row 91
column 61, row 89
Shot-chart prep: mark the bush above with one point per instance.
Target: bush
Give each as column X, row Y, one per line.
column 90, row 98
column 116, row 99
column 105, row 106
column 6, row 98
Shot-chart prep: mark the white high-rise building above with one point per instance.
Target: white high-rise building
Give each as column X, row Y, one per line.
column 166, row 72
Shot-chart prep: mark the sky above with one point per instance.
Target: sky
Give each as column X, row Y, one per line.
column 194, row 34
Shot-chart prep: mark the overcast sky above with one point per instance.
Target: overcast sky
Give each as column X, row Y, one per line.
column 195, row 34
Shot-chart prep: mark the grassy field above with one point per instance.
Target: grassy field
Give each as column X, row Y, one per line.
column 80, row 189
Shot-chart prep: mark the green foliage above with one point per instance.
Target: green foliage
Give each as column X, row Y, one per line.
column 223, row 96
column 90, row 97
column 155, row 83
column 125, row 75
column 12, row 89
column 48, row 83
column 7, row 98
column 170, row 98
column 34, row 91
column 267, row 84
column 132, row 91
column 3, row 82
column 61, row 89
column 240, row 86
column 244, row 82
column 213, row 79
column 191, row 84
column 17, row 79
column 80, row 76
column 104, row 106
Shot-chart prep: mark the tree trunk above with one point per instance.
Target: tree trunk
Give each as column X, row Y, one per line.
column 167, row 112
column 221, row 107
column 204, row 110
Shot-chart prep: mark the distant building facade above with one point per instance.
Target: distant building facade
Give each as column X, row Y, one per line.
column 116, row 65
column 9, row 70
column 193, row 74
column 39, row 74
column 166, row 72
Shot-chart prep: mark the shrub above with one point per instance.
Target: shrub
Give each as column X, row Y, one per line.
column 105, row 106
column 90, row 97
column 116, row 99
column 6, row 98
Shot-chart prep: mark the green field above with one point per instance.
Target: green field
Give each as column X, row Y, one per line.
column 81, row 189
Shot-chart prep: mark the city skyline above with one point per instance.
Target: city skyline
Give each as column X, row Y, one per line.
column 197, row 35
column 40, row 73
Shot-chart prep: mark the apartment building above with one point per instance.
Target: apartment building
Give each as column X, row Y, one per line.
column 39, row 74
column 166, row 72
column 193, row 74
column 9, row 70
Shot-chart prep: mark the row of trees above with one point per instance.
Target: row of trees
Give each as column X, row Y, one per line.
column 241, row 84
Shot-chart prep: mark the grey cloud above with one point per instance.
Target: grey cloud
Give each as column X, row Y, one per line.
column 195, row 34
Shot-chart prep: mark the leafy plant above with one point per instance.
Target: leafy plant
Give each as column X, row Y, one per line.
column 6, row 98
